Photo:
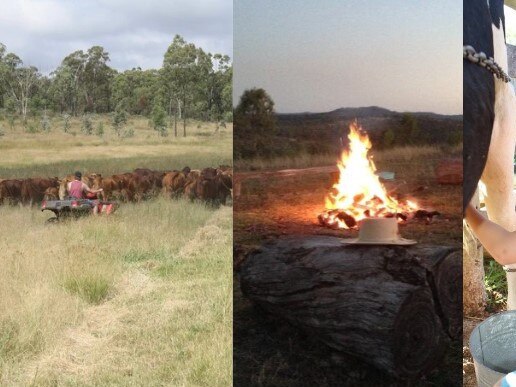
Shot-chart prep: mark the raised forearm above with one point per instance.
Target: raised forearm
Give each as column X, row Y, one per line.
column 500, row 243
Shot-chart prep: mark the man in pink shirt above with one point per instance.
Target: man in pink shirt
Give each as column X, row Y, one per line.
column 77, row 188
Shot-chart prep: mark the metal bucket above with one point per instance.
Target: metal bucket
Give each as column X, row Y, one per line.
column 493, row 347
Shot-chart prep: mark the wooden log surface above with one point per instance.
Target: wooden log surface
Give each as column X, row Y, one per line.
column 378, row 303
column 445, row 279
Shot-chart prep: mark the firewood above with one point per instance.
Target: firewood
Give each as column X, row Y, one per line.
column 390, row 306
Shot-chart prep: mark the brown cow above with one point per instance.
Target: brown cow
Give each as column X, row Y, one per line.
column 123, row 180
column 225, row 184
column 173, row 184
column 33, row 189
column 51, row 193
column 139, row 186
column 192, row 179
column 210, row 185
column 143, row 171
column 10, row 191
column 109, row 185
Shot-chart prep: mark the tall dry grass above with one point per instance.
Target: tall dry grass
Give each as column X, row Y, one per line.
column 389, row 156
column 56, row 153
column 174, row 330
column 142, row 297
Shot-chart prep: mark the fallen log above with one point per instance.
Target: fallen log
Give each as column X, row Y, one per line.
column 378, row 303
column 445, row 279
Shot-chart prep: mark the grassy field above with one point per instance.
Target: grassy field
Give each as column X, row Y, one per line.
column 56, row 153
column 142, row 297
column 268, row 351
column 385, row 157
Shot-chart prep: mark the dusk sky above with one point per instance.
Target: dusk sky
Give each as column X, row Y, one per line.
column 134, row 32
column 313, row 55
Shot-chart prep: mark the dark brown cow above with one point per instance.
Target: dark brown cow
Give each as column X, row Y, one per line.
column 33, row 189
column 192, row 179
column 225, row 182
column 143, row 171
column 10, row 191
column 139, row 186
column 209, row 185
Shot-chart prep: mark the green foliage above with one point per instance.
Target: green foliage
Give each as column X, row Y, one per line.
column 66, row 122
column 191, row 83
column 30, row 128
column 127, row 133
column 255, row 125
column 228, row 116
column 45, row 123
column 119, row 120
column 93, row 289
column 388, row 138
column 496, row 284
column 87, row 125
column 12, row 121
column 100, row 129
column 454, row 137
column 159, row 119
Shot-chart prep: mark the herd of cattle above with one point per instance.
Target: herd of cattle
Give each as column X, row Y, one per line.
column 211, row 185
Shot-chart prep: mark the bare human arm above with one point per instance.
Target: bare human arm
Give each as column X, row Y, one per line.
column 88, row 189
column 499, row 242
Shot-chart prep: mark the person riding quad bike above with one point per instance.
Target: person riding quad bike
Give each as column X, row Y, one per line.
column 80, row 190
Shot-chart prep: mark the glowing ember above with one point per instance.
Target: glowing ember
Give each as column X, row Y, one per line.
column 359, row 193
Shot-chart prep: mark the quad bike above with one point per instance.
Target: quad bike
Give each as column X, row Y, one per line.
column 75, row 208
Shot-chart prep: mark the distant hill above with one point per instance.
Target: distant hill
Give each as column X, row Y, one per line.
column 320, row 132
column 366, row 112
column 317, row 133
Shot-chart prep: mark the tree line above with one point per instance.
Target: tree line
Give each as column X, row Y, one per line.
column 191, row 83
column 259, row 131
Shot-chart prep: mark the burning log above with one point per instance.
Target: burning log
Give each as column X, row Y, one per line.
column 358, row 191
column 348, row 219
column 427, row 215
column 389, row 306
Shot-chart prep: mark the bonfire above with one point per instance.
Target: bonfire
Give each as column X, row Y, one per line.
column 359, row 193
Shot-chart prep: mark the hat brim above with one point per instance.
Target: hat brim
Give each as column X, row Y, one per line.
column 394, row 242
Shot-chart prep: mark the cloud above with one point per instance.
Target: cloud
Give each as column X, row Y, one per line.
column 135, row 33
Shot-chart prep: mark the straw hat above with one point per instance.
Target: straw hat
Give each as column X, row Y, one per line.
column 379, row 231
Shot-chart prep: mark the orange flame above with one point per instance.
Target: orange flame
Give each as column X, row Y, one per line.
column 359, row 192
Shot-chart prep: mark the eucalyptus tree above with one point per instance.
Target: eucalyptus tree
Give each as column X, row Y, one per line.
column 135, row 90
column 69, row 81
column 19, row 81
column 255, row 123
column 222, row 100
column 3, row 50
column 180, row 74
column 82, row 83
column 97, row 80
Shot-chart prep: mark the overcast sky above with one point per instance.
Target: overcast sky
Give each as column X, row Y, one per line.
column 319, row 55
column 134, row 32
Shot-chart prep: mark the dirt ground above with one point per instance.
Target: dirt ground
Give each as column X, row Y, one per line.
column 268, row 351
column 468, row 369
